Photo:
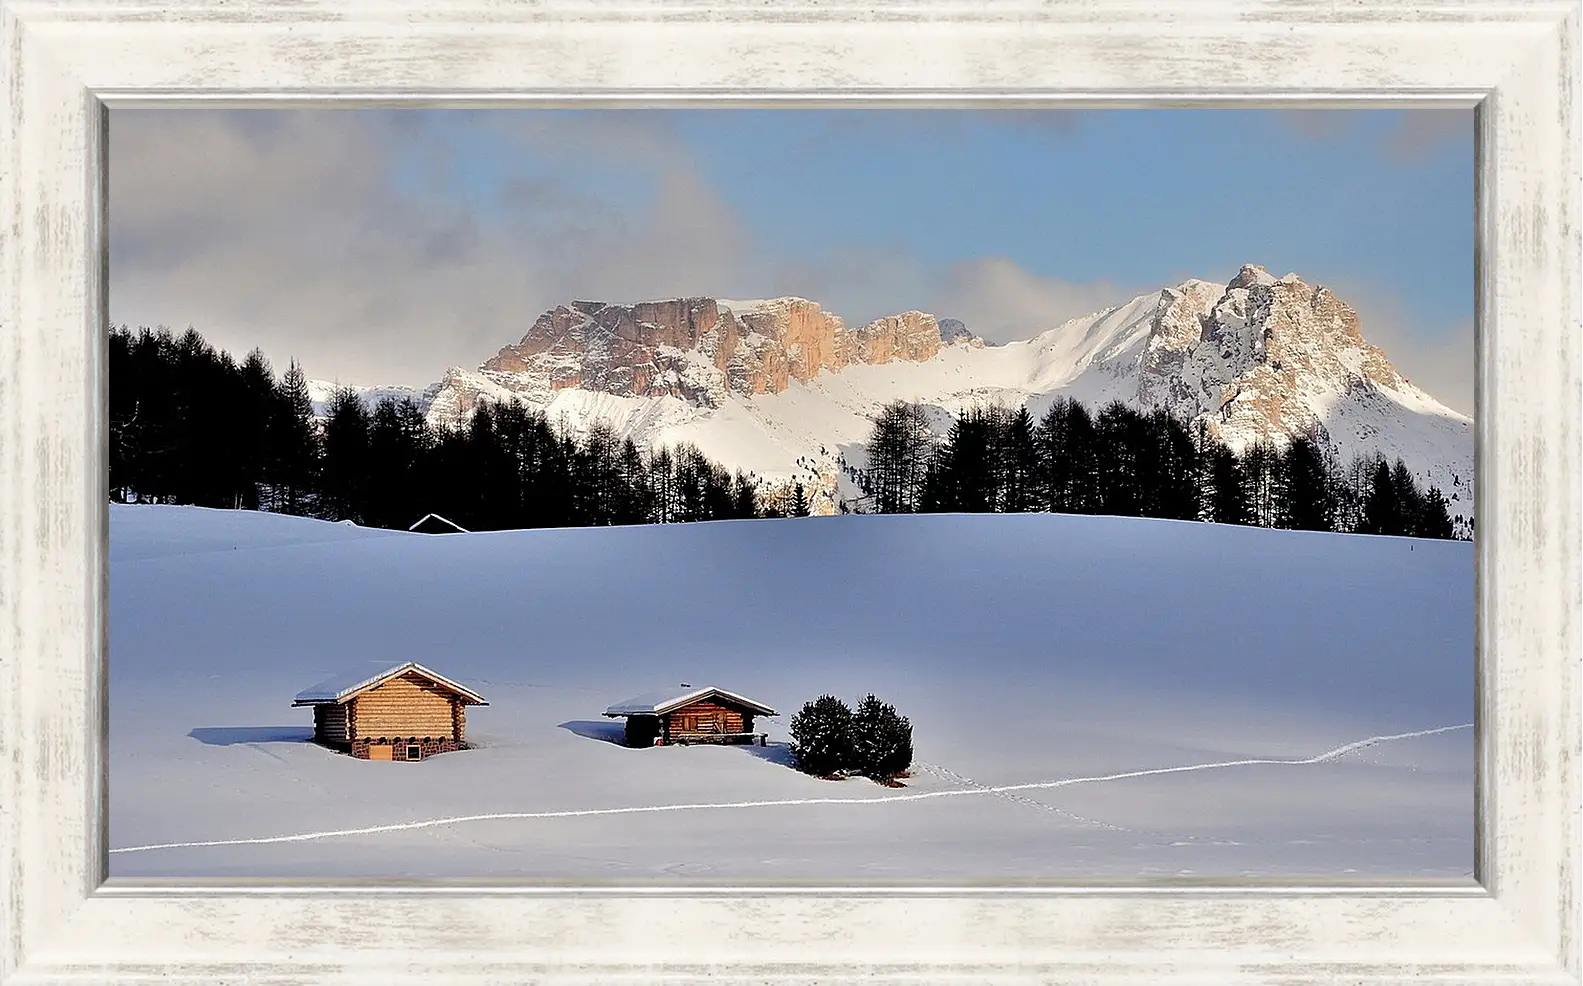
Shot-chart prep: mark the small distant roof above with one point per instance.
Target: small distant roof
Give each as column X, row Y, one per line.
column 433, row 520
column 364, row 676
column 663, row 700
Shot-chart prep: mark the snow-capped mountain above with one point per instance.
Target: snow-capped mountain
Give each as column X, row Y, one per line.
column 783, row 389
column 699, row 351
column 321, row 392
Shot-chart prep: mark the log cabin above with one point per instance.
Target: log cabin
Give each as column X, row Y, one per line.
column 383, row 711
column 690, row 715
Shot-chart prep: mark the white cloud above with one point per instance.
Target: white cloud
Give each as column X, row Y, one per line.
column 1002, row 302
column 292, row 231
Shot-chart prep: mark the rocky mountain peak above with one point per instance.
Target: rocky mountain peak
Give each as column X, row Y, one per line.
column 1253, row 275
column 697, row 349
column 1261, row 357
column 953, row 330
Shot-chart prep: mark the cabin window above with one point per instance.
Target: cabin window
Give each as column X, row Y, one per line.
column 414, row 753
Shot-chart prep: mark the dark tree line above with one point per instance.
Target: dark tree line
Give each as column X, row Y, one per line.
column 1137, row 464
column 191, row 425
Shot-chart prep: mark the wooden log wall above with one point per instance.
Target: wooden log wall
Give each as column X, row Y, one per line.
column 407, row 705
column 330, row 724
column 693, row 717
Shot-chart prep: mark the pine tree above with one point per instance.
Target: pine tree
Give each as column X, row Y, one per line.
column 720, row 493
column 398, row 441
column 1382, row 510
column 514, row 434
column 663, row 487
column 692, row 494
column 1119, row 440
column 881, row 740
column 345, row 473
column 1261, row 465
column 634, row 505
column 294, row 442
column 1066, row 472
column 898, row 453
column 440, row 468
column 1434, row 519
column 1304, row 497
column 822, row 737
column 935, row 497
column 478, row 458
column 799, row 503
column 1228, row 494
column 596, row 476
column 256, row 401
column 196, row 464
column 151, row 476
column 1019, row 463
column 1352, row 492
column 1409, row 496
column 544, row 462
column 744, row 497
column 1177, row 469
column 123, row 417
column 967, row 474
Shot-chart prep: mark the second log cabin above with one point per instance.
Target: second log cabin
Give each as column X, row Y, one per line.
column 688, row 714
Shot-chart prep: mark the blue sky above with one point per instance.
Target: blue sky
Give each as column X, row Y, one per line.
column 448, row 231
column 1134, row 197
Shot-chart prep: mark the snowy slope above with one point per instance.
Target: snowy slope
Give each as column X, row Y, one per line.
column 1027, row 649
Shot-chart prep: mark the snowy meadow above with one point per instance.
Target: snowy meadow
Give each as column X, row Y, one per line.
column 1090, row 697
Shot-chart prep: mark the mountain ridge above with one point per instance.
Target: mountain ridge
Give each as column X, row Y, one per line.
column 784, row 389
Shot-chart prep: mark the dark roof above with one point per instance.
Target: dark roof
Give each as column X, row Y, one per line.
column 356, row 680
column 664, row 700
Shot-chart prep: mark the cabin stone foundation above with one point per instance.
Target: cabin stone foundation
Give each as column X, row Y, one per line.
column 397, row 748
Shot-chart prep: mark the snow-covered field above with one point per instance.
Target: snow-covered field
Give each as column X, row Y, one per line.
column 1039, row 653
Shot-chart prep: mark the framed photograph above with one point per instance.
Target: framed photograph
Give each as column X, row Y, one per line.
column 1129, row 531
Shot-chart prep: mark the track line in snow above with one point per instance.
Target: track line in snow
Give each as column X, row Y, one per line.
column 947, row 774
column 1326, row 757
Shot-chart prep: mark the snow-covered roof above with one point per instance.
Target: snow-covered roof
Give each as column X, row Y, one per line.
column 448, row 523
column 362, row 677
column 664, row 700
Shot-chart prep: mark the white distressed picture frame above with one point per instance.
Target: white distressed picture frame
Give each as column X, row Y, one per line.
column 64, row 61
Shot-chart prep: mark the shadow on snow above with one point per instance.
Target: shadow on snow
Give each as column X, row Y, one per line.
column 233, row 735
column 615, row 733
column 776, row 753
column 607, row 731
